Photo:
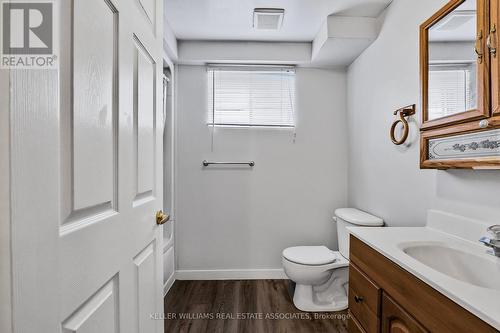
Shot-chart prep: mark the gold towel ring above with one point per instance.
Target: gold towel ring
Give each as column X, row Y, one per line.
column 403, row 113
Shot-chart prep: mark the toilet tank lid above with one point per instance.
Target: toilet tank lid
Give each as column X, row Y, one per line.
column 358, row 217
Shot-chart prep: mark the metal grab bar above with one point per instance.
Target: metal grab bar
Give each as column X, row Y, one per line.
column 249, row 163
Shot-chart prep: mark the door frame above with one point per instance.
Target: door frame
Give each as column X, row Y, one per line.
column 5, row 222
column 170, row 244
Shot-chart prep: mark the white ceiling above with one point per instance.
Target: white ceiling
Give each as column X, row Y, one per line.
column 233, row 19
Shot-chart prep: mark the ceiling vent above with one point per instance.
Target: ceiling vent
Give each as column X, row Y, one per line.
column 455, row 20
column 268, row 18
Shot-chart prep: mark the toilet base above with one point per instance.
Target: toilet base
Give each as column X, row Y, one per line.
column 328, row 297
column 303, row 300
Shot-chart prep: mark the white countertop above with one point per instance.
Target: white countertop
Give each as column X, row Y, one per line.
column 484, row 303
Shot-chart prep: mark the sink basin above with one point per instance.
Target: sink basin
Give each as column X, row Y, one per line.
column 466, row 267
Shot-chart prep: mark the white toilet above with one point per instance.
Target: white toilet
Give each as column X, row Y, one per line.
column 321, row 275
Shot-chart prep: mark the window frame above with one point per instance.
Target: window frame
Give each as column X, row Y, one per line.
column 211, row 109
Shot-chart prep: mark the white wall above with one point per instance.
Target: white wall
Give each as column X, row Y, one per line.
column 169, row 39
column 243, row 218
column 452, row 51
column 383, row 178
column 202, row 52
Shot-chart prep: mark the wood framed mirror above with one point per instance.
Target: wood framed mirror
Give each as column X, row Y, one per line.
column 454, row 64
column 460, row 86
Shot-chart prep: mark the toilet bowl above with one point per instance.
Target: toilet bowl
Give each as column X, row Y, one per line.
column 320, row 274
column 321, row 285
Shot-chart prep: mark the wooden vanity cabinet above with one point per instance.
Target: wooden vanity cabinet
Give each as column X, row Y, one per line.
column 383, row 297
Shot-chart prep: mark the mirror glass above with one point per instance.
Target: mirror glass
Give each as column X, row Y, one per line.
column 452, row 68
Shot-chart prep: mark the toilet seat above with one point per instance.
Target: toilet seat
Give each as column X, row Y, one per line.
column 311, row 255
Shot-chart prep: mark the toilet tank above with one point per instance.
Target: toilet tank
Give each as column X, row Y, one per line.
column 351, row 217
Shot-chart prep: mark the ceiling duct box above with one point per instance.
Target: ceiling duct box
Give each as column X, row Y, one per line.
column 342, row 39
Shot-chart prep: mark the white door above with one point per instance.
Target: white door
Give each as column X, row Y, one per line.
column 86, row 174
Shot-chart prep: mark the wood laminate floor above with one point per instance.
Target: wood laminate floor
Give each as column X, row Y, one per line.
column 252, row 306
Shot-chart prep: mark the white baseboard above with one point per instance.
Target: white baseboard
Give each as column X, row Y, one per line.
column 168, row 284
column 231, row 274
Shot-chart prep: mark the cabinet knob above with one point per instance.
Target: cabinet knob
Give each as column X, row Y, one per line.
column 484, row 123
column 358, row 299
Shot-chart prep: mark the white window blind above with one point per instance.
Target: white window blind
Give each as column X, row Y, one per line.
column 251, row 96
column 451, row 90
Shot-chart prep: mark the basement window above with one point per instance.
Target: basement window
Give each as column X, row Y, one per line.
column 251, row 96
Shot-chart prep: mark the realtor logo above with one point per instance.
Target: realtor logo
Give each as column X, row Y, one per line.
column 27, row 35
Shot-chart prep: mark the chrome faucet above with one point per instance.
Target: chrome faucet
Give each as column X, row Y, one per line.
column 494, row 240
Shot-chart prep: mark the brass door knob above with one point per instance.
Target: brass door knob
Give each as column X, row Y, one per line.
column 161, row 217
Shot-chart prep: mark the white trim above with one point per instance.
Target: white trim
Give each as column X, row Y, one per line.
column 251, row 68
column 5, row 207
column 168, row 284
column 175, row 71
column 231, row 274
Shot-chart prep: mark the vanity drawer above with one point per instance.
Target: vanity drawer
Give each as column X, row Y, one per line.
column 364, row 300
column 354, row 326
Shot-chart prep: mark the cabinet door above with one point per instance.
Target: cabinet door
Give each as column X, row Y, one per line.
column 455, row 64
column 495, row 57
column 354, row 327
column 364, row 300
column 396, row 320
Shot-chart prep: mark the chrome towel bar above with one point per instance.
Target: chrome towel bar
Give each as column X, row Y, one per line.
column 249, row 163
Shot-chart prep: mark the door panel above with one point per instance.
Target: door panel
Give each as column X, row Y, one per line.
column 87, row 181
column 145, row 263
column 168, row 264
column 94, row 105
column 144, row 120
column 98, row 314
column 89, row 79
column 149, row 8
